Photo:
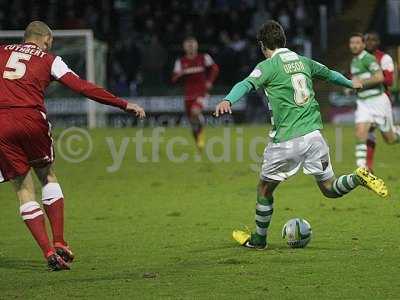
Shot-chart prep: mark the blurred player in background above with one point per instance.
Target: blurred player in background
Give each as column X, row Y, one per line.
column 374, row 108
column 198, row 72
column 372, row 43
column 296, row 140
column 25, row 139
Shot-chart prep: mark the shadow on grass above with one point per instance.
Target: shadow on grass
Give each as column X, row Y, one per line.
column 117, row 276
column 21, row 264
column 214, row 248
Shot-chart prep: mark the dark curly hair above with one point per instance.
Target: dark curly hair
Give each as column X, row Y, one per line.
column 271, row 35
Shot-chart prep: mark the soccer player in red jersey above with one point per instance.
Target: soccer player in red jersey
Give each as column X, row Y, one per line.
column 372, row 43
column 198, row 72
column 26, row 144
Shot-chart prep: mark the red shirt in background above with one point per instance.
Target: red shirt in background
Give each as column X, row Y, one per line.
column 387, row 66
column 195, row 73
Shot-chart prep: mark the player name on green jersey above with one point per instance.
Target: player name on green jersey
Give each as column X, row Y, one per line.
column 364, row 66
column 293, row 67
column 286, row 78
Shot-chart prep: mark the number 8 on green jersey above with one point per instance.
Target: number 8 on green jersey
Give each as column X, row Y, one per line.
column 286, row 78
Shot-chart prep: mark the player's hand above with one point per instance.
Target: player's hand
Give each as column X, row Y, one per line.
column 357, row 83
column 223, row 107
column 209, row 85
column 348, row 91
column 136, row 110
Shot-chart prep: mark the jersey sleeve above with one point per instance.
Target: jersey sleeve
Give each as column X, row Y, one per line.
column 59, row 68
column 387, row 63
column 91, row 91
column 61, row 72
column 208, row 61
column 177, row 66
column 388, row 70
column 259, row 76
column 318, row 70
column 212, row 66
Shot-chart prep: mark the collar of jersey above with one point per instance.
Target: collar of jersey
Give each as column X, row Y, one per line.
column 32, row 44
column 362, row 54
column 279, row 50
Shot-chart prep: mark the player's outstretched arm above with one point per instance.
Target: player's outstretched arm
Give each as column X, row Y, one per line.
column 99, row 94
column 321, row 71
column 61, row 72
column 339, row 79
column 239, row 90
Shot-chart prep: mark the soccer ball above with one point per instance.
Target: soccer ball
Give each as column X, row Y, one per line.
column 297, row 232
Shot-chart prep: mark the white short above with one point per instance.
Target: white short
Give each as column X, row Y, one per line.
column 376, row 110
column 310, row 151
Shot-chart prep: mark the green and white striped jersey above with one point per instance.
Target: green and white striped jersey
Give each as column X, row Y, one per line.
column 364, row 66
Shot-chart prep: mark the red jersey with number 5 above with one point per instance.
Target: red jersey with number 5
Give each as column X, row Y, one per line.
column 26, row 71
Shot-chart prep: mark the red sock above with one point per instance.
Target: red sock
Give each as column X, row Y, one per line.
column 53, row 204
column 55, row 214
column 33, row 217
column 370, row 153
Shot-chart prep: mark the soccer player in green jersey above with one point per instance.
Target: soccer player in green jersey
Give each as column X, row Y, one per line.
column 374, row 108
column 296, row 141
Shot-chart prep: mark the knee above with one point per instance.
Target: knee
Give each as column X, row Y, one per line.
column 264, row 190
column 389, row 139
column 361, row 134
column 194, row 115
column 49, row 178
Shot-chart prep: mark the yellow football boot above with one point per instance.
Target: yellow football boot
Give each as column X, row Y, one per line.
column 248, row 240
column 201, row 140
column 371, row 182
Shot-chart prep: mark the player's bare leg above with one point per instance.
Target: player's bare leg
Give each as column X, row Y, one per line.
column 264, row 210
column 338, row 187
column 33, row 217
column 53, row 204
column 371, row 145
column 196, row 119
column 362, row 130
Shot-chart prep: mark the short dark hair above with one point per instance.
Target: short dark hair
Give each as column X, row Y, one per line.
column 369, row 33
column 357, row 34
column 190, row 38
column 36, row 29
column 271, row 35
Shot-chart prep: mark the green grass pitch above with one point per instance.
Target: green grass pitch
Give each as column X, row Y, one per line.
column 163, row 230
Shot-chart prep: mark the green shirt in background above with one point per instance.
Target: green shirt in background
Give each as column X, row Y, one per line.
column 364, row 66
column 286, row 78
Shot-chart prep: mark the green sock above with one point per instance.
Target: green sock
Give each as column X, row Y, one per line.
column 264, row 210
column 345, row 183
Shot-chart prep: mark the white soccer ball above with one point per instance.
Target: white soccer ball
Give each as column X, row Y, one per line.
column 297, row 233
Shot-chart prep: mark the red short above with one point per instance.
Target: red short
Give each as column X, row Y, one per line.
column 191, row 104
column 25, row 141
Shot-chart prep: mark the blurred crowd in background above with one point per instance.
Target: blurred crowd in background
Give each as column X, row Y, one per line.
column 144, row 37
